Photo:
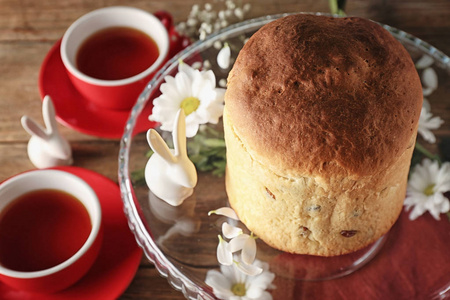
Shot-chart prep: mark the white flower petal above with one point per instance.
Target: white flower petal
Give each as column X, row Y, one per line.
column 443, row 178
column 250, row 270
column 430, row 78
column 254, row 292
column 224, row 56
column 188, row 70
column 232, row 273
column 220, row 284
column 183, row 83
column 198, row 85
column 445, row 206
column 265, row 279
column 437, row 200
column 427, row 122
column 408, row 203
column 206, row 94
column 417, row 211
column 209, row 77
column 432, row 122
column 191, row 129
column 248, row 253
column 433, row 170
column 426, row 104
column 217, row 279
column 434, row 212
column 230, row 231
column 416, row 183
column 171, row 92
column 265, row 296
column 237, row 243
column 216, row 111
column 225, row 211
column 427, row 91
column 224, row 256
column 427, row 135
column 424, row 62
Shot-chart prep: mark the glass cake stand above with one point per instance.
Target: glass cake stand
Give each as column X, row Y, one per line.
column 182, row 241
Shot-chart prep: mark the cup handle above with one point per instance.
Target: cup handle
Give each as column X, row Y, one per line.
column 177, row 42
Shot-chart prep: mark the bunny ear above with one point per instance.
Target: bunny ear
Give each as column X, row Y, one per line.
column 49, row 115
column 179, row 134
column 159, row 146
column 33, row 128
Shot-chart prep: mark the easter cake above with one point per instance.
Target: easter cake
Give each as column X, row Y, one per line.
column 320, row 122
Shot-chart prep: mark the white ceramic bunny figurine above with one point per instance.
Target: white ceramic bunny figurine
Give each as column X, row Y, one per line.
column 47, row 148
column 170, row 174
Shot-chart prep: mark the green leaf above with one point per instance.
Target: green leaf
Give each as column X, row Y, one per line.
column 138, row 177
column 214, row 143
column 337, row 7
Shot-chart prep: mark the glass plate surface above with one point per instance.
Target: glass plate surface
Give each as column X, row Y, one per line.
column 182, row 241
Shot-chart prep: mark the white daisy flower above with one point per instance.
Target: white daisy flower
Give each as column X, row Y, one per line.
column 193, row 91
column 231, row 284
column 427, row 122
column 426, row 187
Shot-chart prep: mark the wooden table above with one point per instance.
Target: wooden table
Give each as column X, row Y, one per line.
column 29, row 28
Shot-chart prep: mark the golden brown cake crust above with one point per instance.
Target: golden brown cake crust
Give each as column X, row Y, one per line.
column 320, row 121
column 316, row 95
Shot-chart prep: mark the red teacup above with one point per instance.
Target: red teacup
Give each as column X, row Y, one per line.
column 119, row 74
column 50, row 230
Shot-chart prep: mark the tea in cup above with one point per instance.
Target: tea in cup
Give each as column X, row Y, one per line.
column 110, row 54
column 50, row 230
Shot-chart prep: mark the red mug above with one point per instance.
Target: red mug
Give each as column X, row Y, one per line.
column 72, row 240
column 114, row 94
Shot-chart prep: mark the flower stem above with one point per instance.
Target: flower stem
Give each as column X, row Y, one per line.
column 427, row 153
column 337, row 7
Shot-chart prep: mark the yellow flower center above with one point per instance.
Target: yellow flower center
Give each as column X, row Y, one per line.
column 429, row 190
column 189, row 105
column 238, row 289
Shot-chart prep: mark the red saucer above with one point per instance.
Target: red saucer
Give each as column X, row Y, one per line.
column 74, row 111
column 119, row 256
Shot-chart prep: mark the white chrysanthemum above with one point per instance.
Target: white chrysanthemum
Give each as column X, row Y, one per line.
column 426, row 187
column 193, row 91
column 427, row 122
column 231, row 284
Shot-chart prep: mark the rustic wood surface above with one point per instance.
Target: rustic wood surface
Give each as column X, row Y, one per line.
column 29, row 28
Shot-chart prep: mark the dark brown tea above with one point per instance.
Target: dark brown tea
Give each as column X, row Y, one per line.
column 116, row 53
column 42, row 229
